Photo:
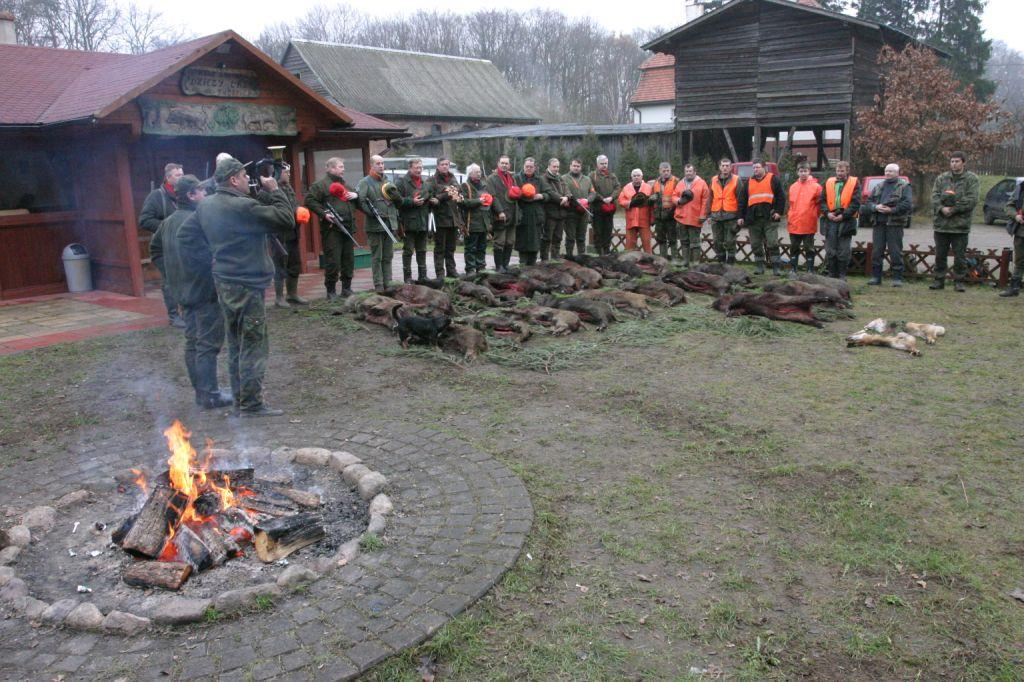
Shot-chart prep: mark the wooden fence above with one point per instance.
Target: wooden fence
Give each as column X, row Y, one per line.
column 1001, row 161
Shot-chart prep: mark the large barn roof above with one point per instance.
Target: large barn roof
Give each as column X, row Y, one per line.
column 405, row 84
column 551, row 130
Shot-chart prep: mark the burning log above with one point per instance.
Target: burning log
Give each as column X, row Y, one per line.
column 149, row 532
column 266, row 501
column 277, row 538
column 117, row 537
column 169, row 575
column 191, row 549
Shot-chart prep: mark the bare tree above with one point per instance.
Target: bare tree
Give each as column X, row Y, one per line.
column 144, row 30
column 1006, row 68
column 81, row 24
column 30, row 24
column 274, row 39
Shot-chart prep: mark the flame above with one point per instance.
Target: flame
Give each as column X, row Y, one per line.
column 227, row 498
column 170, row 551
column 140, row 480
column 183, row 457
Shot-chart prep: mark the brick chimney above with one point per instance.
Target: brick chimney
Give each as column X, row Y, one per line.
column 809, row 3
column 7, row 34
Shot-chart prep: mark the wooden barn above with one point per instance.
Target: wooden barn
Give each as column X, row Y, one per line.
column 86, row 135
column 755, row 70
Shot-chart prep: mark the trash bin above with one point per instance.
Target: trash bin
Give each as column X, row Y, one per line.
column 77, row 269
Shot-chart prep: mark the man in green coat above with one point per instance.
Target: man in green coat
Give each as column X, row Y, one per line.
column 339, row 258
column 287, row 265
column 371, row 195
column 576, row 223
column 159, row 204
column 605, row 191
column 413, row 213
column 506, row 212
column 954, row 196
column 476, row 205
column 236, row 227
column 1015, row 226
column 442, row 196
column 531, row 212
column 556, row 212
column 188, row 265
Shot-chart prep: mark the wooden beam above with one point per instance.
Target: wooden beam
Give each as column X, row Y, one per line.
column 846, row 141
column 294, row 158
column 314, row 222
column 131, row 227
column 758, row 146
column 732, row 149
column 690, row 157
column 819, row 135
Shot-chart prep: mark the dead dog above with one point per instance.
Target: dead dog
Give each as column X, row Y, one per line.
column 419, row 328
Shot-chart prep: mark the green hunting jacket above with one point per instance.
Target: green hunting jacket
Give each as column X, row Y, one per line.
column 369, row 191
column 319, row 194
column 556, row 190
column 413, row 218
column 477, row 216
column 603, row 186
column 188, row 261
column 443, row 217
column 965, row 187
column 502, row 204
column 531, row 214
column 289, row 233
column 158, row 205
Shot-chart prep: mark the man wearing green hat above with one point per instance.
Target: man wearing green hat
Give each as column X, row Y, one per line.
column 237, row 228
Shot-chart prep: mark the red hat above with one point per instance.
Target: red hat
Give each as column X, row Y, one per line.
column 514, row 192
column 486, row 199
column 529, row 191
column 608, row 208
column 338, row 190
column 302, row 215
column 583, row 202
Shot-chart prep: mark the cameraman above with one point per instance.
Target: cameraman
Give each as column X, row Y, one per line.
column 237, row 228
column 889, row 208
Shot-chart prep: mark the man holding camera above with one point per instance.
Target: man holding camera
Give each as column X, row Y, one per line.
column 237, row 228
column 761, row 202
column 339, row 258
column 954, row 196
column 888, row 208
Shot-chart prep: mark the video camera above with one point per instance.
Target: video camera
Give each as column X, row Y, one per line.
column 268, row 167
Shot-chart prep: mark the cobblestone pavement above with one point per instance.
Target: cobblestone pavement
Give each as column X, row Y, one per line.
column 460, row 522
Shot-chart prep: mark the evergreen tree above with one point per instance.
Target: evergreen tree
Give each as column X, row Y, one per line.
column 955, row 27
column 629, row 158
column 653, row 159
column 587, row 151
column 900, row 14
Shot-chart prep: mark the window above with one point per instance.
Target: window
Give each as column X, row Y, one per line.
column 36, row 180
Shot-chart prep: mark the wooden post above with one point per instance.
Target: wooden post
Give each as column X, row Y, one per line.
column 131, row 228
column 846, row 141
column 1004, row 267
column 314, row 222
column 732, row 149
column 297, row 185
column 868, row 255
column 690, row 157
column 758, row 148
column 819, row 139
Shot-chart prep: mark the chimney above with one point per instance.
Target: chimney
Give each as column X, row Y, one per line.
column 7, row 34
column 692, row 9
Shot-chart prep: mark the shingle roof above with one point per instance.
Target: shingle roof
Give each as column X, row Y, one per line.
column 44, row 86
column 412, row 84
column 551, row 130
column 657, row 80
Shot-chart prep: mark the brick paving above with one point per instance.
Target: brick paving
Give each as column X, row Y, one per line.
column 460, row 522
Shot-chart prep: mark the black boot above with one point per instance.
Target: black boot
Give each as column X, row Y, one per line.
column 810, row 263
column 730, row 258
column 876, row 276
column 1013, row 290
column 332, row 290
column 292, row 287
column 759, row 268
column 279, row 301
column 218, row 399
column 346, row 287
column 938, row 284
column 776, row 267
column 958, row 286
column 499, row 255
column 261, row 410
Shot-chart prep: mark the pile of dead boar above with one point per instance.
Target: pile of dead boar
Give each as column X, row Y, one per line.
column 564, row 296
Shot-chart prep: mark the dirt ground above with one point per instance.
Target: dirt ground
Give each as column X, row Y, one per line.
column 736, row 500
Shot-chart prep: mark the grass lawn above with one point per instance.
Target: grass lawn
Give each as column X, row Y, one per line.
column 713, row 497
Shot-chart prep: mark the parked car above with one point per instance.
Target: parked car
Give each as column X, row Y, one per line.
column 745, row 169
column 1001, row 193
column 869, row 182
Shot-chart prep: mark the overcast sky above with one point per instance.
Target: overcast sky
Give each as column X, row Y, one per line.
column 1002, row 19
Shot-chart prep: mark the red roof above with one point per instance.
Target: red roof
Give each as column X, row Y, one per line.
column 657, row 80
column 44, row 85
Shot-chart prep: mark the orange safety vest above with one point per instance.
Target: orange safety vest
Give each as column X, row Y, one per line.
column 667, row 189
column 804, row 205
column 760, row 191
column 724, row 198
column 844, row 198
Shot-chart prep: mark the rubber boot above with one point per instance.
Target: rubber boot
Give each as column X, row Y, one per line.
column 346, row 287
column 292, row 287
column 958, row 286
column 794, row 269
column 876, row 276
column 730, row 258
column 841, row 268
column 1013, row 289
column 939, row 283
column 695, row 256
column 810, row 263
column 332, row 290
column 759, row 268
column 279, row 301
column 776, row 267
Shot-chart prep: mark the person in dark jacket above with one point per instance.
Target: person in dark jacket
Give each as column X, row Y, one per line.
column 287, row 265
column 605, row 189
column 556, row 212
column 762, row 201
column 339, row 258
column 1015, row 226
column 531, row 212
column 840, row 203
column 442, row 193
column 371, row 196
column 413, row 217
column 506, row 212
column 159, row 204
column 188, row 265
column 888, row 209
column 236, row 227
column 476, row 204
column 954, row 196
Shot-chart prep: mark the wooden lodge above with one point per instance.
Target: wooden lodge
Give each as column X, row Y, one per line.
column 85, row 136
column 755, row 70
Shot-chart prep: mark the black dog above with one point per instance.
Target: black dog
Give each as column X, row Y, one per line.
column 422, row 329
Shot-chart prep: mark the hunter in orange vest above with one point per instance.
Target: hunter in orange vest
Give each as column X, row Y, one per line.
column 635, row 198
column 802, row 219
column 840, row 203
column 723, row 209
column 762, row 201
column 691, row 200
column 663, row 206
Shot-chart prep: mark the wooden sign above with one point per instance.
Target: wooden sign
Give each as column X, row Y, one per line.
column 171, row 117
column 197, row 80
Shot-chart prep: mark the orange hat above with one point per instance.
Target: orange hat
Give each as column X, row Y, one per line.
column 514, row 192
column 529, row 191
column 338, row 190
column 302, row 215
column 486, row 199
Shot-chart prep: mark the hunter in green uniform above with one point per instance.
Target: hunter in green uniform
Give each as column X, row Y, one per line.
column 1015, row 226
column 287, row 265
column 370, row 191
column 762, row 201
column 605, row 191
column 442, row 193
column 531, row 213
column 506, row 213
column 954, row 196
column 187, row 264
column 236, row 227
column 159, row 204
column 477, row 204
column 666, row 234
column 339, row 258
column 413, row 213
column 580, row 187
column 556, row 212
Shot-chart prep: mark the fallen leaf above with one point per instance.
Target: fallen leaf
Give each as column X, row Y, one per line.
column 626, row 635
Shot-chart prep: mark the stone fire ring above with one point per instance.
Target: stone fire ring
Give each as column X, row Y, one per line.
column 453, row 521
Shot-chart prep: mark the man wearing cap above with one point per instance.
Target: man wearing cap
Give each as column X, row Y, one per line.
column 371, row 195
column 506, row 212
column 413, row 214
column 954, row 196
column 442, row 195
column 159, row 204
column 476, row 204
column 188, row 265
column 531, row 212
column 288, row 265
column 602, row 204
column 339, row 258
column 579, row 187
column 237, row 227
